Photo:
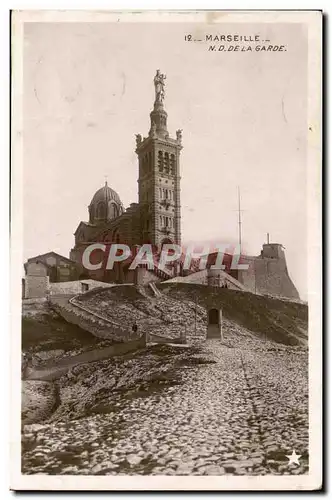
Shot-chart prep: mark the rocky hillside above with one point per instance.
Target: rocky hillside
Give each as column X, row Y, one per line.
column 233, row 407
column 45, row 334
column 283, row 321
column 236, row 408
column 163, row 315
column 183, row 307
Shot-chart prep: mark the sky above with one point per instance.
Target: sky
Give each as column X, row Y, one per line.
column 88, row 89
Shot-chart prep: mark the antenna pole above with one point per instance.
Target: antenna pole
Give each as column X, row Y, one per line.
column 240, row 222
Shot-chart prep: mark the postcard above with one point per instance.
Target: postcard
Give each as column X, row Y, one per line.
column 166, row 250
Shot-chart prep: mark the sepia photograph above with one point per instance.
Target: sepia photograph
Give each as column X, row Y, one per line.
column 166, row 199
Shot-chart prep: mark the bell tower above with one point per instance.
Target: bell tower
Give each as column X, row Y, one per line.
column 159, row 176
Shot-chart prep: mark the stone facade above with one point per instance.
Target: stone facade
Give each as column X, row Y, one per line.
column 75, row 287
column 156, row 218
column 267, row 273
column 217, row 277
column 36, row 280
column 58, row 268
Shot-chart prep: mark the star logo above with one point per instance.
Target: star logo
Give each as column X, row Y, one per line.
column 293, row 458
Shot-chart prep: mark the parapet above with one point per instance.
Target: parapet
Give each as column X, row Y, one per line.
column 273, row 251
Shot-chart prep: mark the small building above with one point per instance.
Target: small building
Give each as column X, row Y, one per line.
column 48, row 268
column 36, row 280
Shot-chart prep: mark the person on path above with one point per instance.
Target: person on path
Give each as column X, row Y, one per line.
column 134, row 328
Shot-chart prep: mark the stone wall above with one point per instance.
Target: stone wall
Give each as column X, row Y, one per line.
column 75, row 287
column 152, row 337
column 199, row 277
column 36, row 286
column 38, row 300
column 156, row 315
column 54, row 372
column 268, row 273
column 268, row 276
column 247, row 276
column 207, row 277
column 272, row 278
column 91, row 322
column 108, row 352
column 58, row 268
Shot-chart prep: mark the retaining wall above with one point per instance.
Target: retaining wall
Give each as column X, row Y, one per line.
column 75, row 287
column 92, row 323
column 55, row 372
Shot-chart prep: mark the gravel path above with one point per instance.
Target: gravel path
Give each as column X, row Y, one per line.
column 240, row 415
column 39, row 400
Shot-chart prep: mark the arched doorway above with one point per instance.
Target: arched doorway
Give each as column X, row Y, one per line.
column 214, row 324
column 213, row 317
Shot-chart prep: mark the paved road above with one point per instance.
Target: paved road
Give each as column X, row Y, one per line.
column 59, row 369
column 241, row 415
column 56, row 371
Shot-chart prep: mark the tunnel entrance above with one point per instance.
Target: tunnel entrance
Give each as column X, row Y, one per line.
column 214, row 324
column 213, row 317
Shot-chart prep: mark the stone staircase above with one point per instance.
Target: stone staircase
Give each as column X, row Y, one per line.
column 154, row 289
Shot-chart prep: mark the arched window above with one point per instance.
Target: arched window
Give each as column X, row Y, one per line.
column 160, row 161
column 166, row 163
column 146, row 164
column 113, row 210
column 101, row 210
column 172, row 164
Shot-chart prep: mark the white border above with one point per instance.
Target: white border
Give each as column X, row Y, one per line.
column 157, row 483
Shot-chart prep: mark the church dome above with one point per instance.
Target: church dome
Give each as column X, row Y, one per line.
column 106, row 193
column 105, row 205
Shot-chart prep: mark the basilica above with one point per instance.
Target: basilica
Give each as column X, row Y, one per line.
column 156, row 218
